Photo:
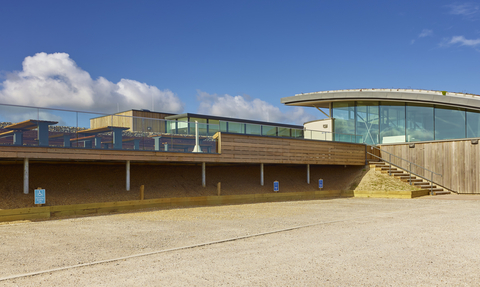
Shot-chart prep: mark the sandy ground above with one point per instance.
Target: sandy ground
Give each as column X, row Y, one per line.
column 372, row 180
column 338, row 242
column 89, row 183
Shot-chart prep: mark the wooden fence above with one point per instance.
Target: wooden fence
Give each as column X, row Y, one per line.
column 458, row 161
column 231, row 148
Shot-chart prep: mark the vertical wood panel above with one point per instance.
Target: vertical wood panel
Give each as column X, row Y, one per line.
column 458, row 161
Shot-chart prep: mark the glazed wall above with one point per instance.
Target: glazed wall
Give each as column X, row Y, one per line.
column 392, row 122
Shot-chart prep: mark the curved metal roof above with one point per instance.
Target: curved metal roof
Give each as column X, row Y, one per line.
column 323, row 98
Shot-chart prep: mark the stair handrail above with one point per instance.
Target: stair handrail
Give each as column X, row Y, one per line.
column 372, row 147
column 409, row 171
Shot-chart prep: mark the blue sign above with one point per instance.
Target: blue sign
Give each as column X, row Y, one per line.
column 320, row 183
column 40, row 196
column 276, row 186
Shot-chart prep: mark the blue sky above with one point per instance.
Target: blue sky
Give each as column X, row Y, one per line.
column 231, row 58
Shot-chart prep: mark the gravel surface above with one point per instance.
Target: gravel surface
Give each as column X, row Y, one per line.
column 343, row 242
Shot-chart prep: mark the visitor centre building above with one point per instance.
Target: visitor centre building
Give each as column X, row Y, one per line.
column 383, row 116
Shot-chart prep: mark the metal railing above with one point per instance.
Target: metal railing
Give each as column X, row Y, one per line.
column 409, row 171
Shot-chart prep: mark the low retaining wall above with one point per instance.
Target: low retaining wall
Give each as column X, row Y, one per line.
column 46, row 212
column 385, row 194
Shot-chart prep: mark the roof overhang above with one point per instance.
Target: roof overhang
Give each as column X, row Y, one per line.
column 324, row 98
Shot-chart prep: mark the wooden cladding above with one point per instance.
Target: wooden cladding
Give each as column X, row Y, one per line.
column 257, row 149
column 140, row 121
column 231, row 148
column 457, row 161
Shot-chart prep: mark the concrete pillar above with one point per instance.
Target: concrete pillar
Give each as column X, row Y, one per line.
column 128, row 175
column 261, row 174
column 157, row 142
column 18, row 138
column 308, row 173
column 25, row 176
column 117, row 137
column 204, row 181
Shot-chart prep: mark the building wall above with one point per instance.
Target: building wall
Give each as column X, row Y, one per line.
column 458, row 161
column 123, row 119
column 319, row 130
column 137, row 121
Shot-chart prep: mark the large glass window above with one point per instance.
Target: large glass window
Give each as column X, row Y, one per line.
column 344, row 115
column 269, row 131
column 392, row 122
column 253, row 129
column 213, row 126
column 449, row 123
column 202, row 127
column 223, row 126
column 283, row 132
column 238, row 128
column 367, row 122
column 182, row 126
column 473, row 124
column 419, row 122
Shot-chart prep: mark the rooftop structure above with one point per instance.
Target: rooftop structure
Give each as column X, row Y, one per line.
column 396, row 115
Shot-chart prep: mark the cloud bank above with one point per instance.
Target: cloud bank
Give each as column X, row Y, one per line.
column 55, row 80
column 464, row 9
column 246, row 108
column 464, row 42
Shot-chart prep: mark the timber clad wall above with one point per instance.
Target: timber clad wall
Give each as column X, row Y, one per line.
column 232, row 148
column 258, row 149
column 133, row 119
column 123, row 119
column 457, row 160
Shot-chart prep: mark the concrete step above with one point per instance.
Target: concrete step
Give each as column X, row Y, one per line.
column 441, row 192
column 392, row 172
column 423, row 185
column 404, row 176
column 407, row 179
column 437, row 191
column 386, row 168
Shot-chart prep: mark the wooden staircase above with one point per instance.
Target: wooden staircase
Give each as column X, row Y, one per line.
column 423, row 184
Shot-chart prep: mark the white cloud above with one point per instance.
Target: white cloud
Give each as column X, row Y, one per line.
column 246, row 108
column 55, row 80
column 465, row 9
column 463, row 41
column 425, row 33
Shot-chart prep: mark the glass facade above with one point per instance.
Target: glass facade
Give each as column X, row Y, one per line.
column 390, row 122
column 344, row 115
column 420, row 122
column 186, row 125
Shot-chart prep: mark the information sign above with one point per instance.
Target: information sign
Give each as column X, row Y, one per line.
column 40, row 196
column 320, row 183
column 276, row 186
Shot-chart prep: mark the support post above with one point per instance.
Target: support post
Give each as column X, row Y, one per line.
column 142, row 192
column 98, row 142
column 261, row 175
column 308, row 173
column 157, row 142
column 204, row 183
column 18, row 138
column 117, row 137
column 219, row 188
column 25, row 176
column 197, row 141
column 42, row 133
column 128, row 175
